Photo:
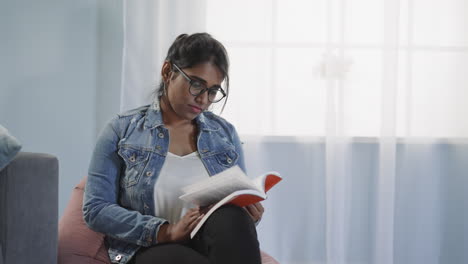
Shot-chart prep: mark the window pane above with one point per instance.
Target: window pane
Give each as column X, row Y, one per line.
column 300, row 101
column 403, row 96
column 440, row 94
column 362, row 94
column 240, row 20
column 440, row 22
column 364, row 21
column 403, row 23
column 249, row 103
column 302, row 20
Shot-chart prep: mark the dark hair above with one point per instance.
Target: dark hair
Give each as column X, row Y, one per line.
column 189, row 50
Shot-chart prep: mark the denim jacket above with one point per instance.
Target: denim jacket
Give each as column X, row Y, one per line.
column 125, row 165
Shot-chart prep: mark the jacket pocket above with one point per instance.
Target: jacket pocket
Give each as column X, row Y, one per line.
column 227, row 158
column 135, row 162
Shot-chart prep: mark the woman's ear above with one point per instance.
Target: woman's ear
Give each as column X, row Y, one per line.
column 166, row 71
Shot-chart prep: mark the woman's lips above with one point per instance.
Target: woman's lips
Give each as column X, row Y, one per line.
column 195, row 109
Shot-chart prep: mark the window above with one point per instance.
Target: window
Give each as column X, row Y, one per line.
column 278, row 50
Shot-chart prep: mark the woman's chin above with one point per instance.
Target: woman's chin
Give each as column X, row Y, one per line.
column 189, row 116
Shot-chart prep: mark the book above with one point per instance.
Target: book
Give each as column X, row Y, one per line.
column 231, row 186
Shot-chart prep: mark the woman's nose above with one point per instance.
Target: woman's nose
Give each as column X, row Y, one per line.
column 202, row 98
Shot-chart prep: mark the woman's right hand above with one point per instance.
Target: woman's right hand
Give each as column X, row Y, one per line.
column 180, row 231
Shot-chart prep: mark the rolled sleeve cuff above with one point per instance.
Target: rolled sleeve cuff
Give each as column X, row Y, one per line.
column 151, row 230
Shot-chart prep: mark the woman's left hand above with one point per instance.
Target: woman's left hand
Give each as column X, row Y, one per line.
column 255, row 211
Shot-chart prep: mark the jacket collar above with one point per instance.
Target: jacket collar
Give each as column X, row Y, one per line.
column 153, row 119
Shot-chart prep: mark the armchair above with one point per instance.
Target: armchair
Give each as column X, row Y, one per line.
column 79, row 244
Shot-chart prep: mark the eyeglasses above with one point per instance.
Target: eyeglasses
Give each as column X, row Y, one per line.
column 215, row 93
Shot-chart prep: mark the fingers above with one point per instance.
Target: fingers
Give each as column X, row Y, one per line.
column 192, row 217
column 205, row 209
column 259, row 207
column 181, row 230
column 192, row 225
column 193, row 210
column 255, row 210
column 191, row 213
column 196, row 216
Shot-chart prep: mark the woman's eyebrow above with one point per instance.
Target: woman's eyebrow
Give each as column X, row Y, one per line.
column 202, row 80
column 198, row 78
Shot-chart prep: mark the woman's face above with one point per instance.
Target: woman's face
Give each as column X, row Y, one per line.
column 182, row 102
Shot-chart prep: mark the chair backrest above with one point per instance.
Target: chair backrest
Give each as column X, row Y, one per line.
column 77, row 243
column 29, row 198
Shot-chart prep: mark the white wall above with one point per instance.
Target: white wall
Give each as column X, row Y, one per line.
column 110, row 45
column 59, row 78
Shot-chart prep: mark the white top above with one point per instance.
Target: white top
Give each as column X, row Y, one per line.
column 176, row 173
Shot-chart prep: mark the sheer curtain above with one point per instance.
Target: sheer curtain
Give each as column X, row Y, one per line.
column 359, row 104
column 150, row 26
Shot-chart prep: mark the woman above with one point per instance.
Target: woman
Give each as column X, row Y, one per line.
column 144, row 156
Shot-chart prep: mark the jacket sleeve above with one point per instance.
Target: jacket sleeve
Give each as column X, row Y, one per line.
column 101, row 210
column 238, row 146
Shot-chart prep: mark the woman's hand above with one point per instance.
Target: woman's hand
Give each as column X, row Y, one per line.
column 255, row 211
column 180, row 231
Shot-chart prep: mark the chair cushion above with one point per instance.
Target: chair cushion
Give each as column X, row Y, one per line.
column 78, row 244
column 9, row 147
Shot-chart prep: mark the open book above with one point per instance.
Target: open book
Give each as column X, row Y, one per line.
column 230, row 186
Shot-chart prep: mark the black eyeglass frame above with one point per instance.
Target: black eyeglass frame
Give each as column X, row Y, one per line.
column 216, row 88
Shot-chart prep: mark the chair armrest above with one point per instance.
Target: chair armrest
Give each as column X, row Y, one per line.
column 29, row 209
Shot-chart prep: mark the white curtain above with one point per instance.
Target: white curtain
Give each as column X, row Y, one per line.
column 360, row 105
column 150, row 26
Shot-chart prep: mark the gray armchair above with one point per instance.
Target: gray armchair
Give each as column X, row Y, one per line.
column 29, row 209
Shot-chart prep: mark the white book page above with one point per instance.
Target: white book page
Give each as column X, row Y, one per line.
column 217, row 187
column 260, row 182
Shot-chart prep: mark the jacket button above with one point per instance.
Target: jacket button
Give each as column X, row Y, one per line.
column 161, row 135
column 118, row 257
column 229, row 160
column 149, row 173
column 145, row 206
column 132, row 158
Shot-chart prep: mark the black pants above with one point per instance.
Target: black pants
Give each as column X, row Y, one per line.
column 228, row 236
